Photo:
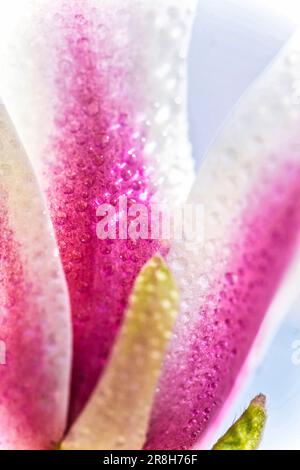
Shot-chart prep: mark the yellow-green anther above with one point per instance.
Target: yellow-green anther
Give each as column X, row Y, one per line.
column 117, row 415
column 246, row 432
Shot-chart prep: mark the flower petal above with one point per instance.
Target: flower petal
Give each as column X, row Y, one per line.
column 249, row 188
column 116, row 417
column 35, row 326
column 98, row 94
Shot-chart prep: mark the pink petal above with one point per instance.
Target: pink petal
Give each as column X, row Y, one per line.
column 117, row 415
column 249, row 186
column 35, row 327
column 107, row 80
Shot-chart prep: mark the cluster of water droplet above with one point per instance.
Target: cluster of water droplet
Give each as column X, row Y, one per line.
column 32, row 287
column 249, row 187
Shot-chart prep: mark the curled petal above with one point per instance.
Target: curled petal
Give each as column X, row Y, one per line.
column 250, row 192
column 246, row 432
column 35, row 326
column 116, row 417
column 98, row 94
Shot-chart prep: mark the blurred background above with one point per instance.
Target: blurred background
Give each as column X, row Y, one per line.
column 232, row 43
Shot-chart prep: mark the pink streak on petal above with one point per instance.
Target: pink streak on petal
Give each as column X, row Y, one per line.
column 99, row 157
column 198, row 378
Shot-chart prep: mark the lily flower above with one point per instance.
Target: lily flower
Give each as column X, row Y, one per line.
column 35, row 325
column 97, row 91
